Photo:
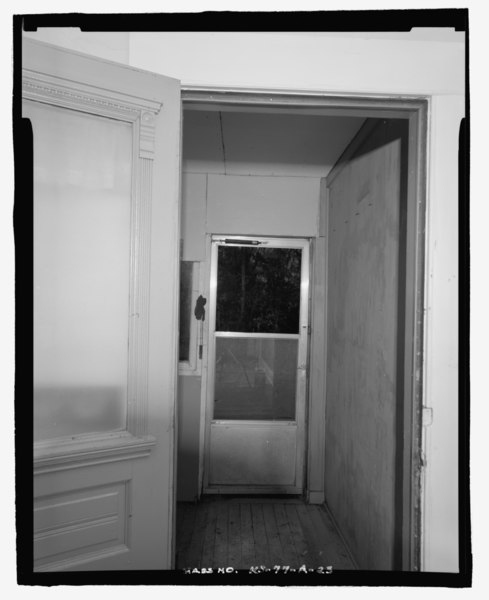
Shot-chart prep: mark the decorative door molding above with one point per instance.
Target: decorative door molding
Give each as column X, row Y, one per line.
column 141, row 114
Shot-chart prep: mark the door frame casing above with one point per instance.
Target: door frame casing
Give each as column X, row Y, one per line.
column 416, row 109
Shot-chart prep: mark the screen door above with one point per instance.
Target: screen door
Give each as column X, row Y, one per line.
column 258, row 327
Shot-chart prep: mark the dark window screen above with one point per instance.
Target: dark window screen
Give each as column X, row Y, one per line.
column 258, row 289
column 255, row 379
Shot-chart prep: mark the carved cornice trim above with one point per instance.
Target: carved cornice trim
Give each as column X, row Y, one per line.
column 142, row 112
column 147, row 134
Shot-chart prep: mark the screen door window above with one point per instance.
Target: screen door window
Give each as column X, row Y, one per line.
column 257, row 331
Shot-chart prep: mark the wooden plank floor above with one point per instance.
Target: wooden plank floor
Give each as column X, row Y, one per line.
column 242, row 532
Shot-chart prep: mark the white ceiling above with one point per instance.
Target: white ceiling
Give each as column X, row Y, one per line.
column 416, row 34
column 254, row 143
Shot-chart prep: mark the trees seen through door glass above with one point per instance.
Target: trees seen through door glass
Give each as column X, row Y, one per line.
column 258, row 289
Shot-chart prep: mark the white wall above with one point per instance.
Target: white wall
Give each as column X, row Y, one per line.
column 253, row 205
column 109, row 45
column 301, row 61
column 368, row 66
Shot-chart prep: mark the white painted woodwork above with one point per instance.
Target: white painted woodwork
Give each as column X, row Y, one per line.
column 52, row 88
column 282, row 206
column 441, row 483
column 304, row 61
column 317, row 373
column 69, row 470
column 248, row 454
column 59, row 454
column 66, row 524
column 82, row 199
column 363, row 348
column 84, row 519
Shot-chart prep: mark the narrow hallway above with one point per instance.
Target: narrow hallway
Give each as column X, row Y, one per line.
column 242, row 532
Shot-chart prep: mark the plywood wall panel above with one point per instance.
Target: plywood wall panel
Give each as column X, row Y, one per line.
column 362, row 338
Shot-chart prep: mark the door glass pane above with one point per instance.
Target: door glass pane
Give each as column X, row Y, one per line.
column 82, row 195
column 255, row 378
column 258, row 289
column 186, row 273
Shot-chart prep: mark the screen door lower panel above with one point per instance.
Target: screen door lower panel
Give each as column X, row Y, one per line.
column 258, row 454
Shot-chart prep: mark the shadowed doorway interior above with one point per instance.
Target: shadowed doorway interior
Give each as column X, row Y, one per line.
column 302, row 230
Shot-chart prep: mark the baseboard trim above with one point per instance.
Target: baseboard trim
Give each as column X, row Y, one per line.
column 315, row 497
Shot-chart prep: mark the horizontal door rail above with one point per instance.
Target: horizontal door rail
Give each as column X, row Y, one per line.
column 240, row 334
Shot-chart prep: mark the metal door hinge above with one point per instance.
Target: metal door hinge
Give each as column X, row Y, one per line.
column 427, row 417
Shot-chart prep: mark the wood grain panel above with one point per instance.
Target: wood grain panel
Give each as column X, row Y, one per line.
column 234, row 533
column 247, row 538
column 210, row 537
column 242, row 532
column 194, row 553
column 262, row 553
column 288, row 550
column 221, row 539
column 273, row 536
column 363, row 345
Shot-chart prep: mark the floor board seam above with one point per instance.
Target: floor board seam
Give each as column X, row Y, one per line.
column 255, row 532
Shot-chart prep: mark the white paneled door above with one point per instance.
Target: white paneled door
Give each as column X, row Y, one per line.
column 106, row 141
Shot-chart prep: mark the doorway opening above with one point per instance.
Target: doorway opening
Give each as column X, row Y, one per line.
column 276, row 168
